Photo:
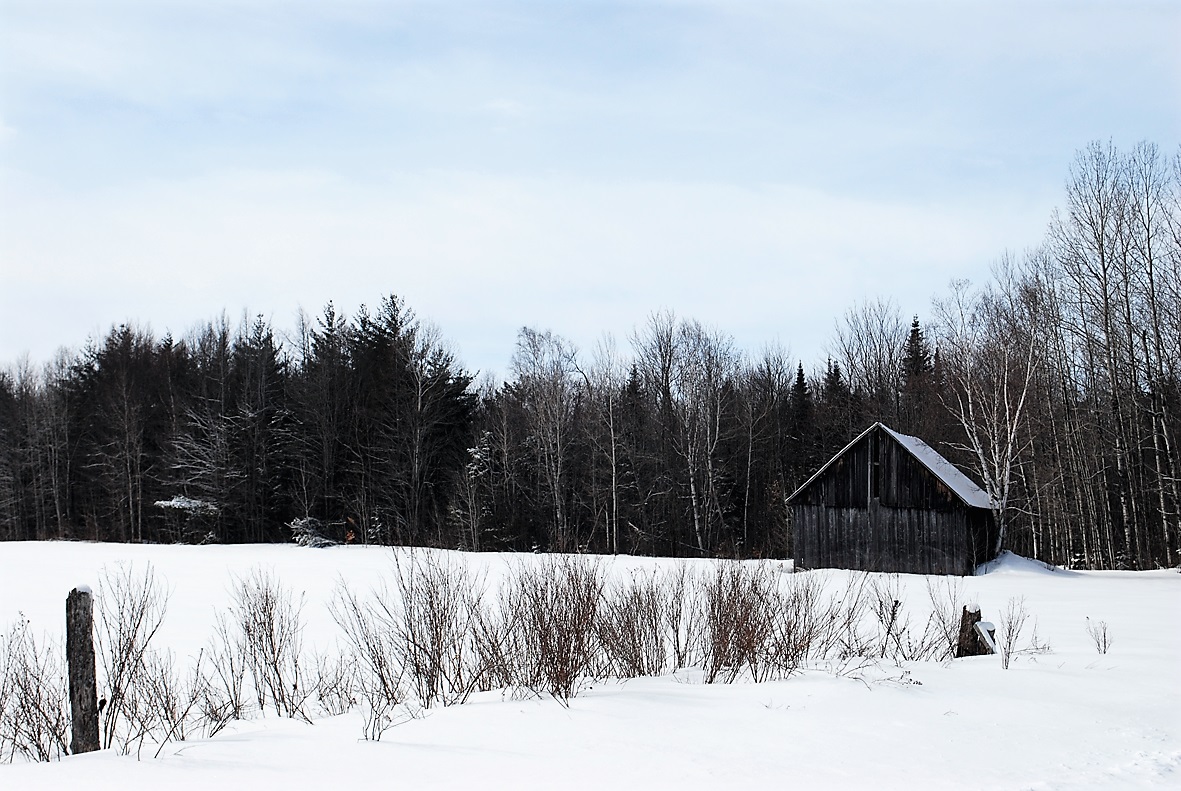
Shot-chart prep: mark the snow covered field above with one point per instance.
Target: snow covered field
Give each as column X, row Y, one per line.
column 1063, row 718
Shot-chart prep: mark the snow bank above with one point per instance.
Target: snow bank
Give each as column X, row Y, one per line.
column 1008, row 563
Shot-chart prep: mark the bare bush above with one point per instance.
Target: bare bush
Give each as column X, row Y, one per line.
column 432, row 637
column 225, row 696
column 379, row 682
column 1098, row 633
column 842, row 634
column 493, row 643
column 1036, row 644
column 334, row 681
column 146, row 698
column 34, row 699
column 648, row 624
column 131, row 608
column 887, row 609
column 900, row 641
column 798, row 622
column 1009, row 626
column 380, row 711
column 738, row 605
column 265, row 632
column 162, row 705
column 434, row 627
column 947, row 602
column 422, row 635
column 680, row 621
column 552, row 607
column 752, row 625
column 632, row 627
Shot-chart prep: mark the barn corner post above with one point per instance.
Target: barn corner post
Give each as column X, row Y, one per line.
column 81, row 668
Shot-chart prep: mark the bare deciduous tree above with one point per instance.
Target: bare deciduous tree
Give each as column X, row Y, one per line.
column 544, row 366
column 870, row 343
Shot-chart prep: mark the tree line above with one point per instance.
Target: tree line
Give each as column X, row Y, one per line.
column 1055, row 384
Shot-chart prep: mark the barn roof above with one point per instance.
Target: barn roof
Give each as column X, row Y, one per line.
column 941, row 468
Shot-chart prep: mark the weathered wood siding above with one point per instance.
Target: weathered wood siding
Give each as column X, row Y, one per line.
column 876, row 507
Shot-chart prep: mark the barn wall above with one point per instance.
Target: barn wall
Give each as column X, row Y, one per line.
column 983, row 535
column 905, row 540
column 845, row 484
column 906, row 483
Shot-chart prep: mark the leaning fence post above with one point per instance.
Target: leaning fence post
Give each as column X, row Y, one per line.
column 80, row 659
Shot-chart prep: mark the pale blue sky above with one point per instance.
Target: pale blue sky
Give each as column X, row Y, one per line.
column 571, row 166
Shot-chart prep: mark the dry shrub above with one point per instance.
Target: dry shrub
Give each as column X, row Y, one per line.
column 148, row 697
column 434, row 627
column 738, row 609
column 843, row 635
column 898, row 640
column 1009, row 626
column 634, row 626
column 379, row 680
column 145, row 698
column 420, row 639
column 163, row 705
column 334, row 679
column 754, row 625
column 493, row 630
column 131, row 608
column 550, row 609
column 34, row 698
column 423, row 643
column 226, row 698
column 262, row 635
column 946, row 597
column 798, row 624
column 1097, row 630
column 680, row 621
column 431, row 637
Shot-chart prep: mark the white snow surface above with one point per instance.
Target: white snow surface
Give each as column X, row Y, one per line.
column 950, row 474
column 1068, row 718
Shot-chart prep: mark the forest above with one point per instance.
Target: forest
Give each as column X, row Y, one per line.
column 1055, row 385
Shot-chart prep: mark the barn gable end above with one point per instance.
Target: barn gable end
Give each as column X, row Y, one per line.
column 890, row 502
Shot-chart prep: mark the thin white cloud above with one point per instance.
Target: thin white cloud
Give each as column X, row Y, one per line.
column 472, row 251
column 505, row 107
column 571, row 165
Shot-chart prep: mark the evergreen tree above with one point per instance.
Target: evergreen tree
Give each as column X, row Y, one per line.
column 323, row 410
column 918, row 399
column 261, row 435
column 838, row 414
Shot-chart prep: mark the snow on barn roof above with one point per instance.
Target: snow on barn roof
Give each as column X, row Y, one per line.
column 941, row 468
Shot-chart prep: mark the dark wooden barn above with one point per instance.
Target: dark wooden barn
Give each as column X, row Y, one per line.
column 890, row 502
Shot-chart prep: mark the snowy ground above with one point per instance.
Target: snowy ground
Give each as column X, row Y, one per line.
column 1063, row 719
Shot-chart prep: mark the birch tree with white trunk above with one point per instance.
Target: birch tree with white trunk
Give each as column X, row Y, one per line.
column 990, row 361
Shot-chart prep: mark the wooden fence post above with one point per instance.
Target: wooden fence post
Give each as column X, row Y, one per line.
column 80, row 659
column 970, row 642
